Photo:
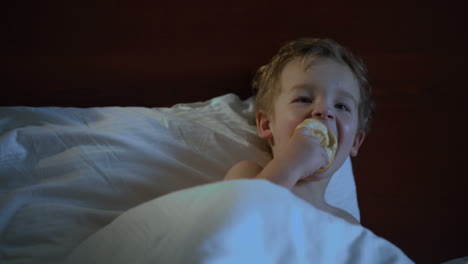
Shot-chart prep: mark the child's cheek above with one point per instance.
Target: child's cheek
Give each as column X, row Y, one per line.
column 292, row 127
column 347, row 133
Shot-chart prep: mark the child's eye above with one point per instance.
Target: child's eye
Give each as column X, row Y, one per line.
column 305, row 100
column 342, row 107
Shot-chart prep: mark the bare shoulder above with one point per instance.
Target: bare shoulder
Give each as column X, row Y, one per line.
column 245, row 169
column 345, row 215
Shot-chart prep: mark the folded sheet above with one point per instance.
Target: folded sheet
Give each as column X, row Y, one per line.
column 240, row 221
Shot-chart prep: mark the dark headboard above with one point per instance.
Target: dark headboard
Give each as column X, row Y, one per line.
column 410, row 171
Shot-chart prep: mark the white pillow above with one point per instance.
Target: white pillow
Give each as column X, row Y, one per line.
column 67, row 172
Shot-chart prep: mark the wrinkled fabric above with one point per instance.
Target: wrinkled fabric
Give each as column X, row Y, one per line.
column 239, row 221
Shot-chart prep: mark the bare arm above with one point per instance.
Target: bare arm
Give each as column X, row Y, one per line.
column 243, row 170
column 275, row 170
column 301, row 157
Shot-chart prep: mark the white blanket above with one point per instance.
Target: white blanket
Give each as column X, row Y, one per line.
column 242, row 221
column 67, row 172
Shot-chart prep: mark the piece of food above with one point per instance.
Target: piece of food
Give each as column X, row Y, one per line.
column 324, row 135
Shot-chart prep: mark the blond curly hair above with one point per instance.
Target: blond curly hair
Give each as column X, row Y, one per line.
column 265, row 82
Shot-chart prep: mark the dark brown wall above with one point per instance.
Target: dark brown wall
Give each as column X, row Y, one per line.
column 410, row 172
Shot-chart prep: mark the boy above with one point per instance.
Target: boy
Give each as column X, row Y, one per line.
column 308, row 78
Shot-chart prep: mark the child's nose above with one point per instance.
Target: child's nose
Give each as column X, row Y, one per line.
column 322, row 112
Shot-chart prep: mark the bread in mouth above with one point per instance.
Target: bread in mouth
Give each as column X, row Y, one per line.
column 324, row 135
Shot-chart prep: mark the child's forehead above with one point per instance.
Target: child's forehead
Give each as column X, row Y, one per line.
column 306, row 63
column 310, row 72
column 315, row 68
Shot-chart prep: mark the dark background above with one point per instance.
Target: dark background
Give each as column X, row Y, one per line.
column 410, row 173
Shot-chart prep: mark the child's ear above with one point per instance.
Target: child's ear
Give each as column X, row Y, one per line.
column 263, row 125
column 358, row 139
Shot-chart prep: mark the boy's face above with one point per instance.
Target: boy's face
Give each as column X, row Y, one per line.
column 325, row 90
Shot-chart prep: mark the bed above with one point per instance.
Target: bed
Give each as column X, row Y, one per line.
column 75, row 180
column 110, row 109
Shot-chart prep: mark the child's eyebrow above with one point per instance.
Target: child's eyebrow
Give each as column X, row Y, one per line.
column 303, row 86
column 340, row 92
column 347, row 94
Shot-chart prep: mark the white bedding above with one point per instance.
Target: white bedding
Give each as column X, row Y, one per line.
column 242, row 221
column 67, row 172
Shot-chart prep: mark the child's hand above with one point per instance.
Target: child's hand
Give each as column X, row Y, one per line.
column 304, row 154
column 301, row 157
